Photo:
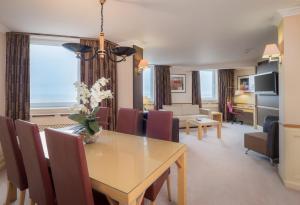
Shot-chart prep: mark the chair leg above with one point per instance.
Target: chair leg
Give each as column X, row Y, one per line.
column 169, row 187
column 11, row 195
column 22, row 197
column 32, row 202
column 152, row 203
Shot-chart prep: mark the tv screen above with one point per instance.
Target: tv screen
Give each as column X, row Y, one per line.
column 266, row 83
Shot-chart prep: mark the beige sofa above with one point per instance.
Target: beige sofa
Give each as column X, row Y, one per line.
column 186, row 111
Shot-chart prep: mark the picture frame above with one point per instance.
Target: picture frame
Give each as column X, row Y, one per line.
column 245, row 83
column 178, row 83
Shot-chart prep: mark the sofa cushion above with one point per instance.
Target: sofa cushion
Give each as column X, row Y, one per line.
column 189, row 109
column 176, row 109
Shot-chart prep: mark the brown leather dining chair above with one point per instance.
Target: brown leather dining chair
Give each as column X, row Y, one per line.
column 16, row 174
column 159, row 126
column 129, row 121
column 69, row 170
column 41, row 190
column 103, row 117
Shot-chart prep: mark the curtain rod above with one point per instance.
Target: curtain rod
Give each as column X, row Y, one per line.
column 62, row 36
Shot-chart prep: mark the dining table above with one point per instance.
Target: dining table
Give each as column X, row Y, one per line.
column 123, row 166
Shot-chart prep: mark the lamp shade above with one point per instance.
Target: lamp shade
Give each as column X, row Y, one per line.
column 143, row 64
column 271, row 51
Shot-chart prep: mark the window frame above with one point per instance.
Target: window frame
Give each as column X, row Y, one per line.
column 54, row 41
column 153, row 81
column 215, row 99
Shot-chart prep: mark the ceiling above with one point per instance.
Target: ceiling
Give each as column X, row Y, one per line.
column 187, row 32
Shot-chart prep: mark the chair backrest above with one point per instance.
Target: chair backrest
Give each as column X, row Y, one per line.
column 159, row 125
column 229, row 107
column 271, row 126
column 103, row 117
column 69, row 168
column 12, row 154
column 39, row 181
column 129, row 121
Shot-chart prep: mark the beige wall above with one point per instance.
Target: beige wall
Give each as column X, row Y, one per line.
column 247, row 98
column 187, row 96
column 2, row 79
column 289, row 41
column 125, row 83
column 2, row 69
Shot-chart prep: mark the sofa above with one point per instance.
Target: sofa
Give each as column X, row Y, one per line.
column 186, row 112
column 266, row 142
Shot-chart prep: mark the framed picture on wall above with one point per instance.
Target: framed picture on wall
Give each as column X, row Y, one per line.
column 245, row 83
column 178, row 83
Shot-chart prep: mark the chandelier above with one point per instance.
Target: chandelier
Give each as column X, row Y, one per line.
column 80, row 50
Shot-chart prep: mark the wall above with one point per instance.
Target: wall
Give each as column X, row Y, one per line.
column 125, row 83
column 2, row 79
column 246, row 98
column 289, row 41
column 187, row 96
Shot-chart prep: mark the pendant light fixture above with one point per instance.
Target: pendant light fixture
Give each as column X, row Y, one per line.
column 80, row 50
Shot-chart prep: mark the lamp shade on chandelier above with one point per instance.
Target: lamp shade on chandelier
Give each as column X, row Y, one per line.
column 120, row 51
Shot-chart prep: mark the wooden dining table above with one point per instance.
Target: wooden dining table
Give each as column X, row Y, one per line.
column 123, row 166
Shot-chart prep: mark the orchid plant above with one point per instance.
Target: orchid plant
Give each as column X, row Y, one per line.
column 89, row 100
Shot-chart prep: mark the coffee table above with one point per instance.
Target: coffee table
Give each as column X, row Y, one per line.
column 202, row 124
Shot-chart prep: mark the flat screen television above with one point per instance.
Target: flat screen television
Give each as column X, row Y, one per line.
column 266, row 83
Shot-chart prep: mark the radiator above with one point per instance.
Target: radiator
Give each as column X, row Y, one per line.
column 51, row 121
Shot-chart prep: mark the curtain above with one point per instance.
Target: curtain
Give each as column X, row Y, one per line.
column 196, row 89
column 92, row 70
column 162, row 86
column 17, row 76
column 226, row 90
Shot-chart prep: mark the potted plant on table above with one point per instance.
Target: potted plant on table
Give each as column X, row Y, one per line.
column 88, row 107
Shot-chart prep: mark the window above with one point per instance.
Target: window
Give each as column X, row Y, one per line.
column 209, row 85
column 53, row 71
column 148, row 83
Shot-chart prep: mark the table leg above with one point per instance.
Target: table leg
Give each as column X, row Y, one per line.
column 200, row 132
column 181, row 167
column 219, row 130
column 187, row 127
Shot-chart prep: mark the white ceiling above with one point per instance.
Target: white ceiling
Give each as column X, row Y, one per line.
column 176, row 32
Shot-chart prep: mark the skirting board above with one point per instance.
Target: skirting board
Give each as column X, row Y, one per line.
column 291, row 185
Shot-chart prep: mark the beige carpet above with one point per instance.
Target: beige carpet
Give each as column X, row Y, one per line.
column 219, row 173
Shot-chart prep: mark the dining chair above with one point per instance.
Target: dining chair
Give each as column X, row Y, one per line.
column 69, row 170
column 40, row 186
column 129, row 121
column 16, row 174
column 103, row 117
column 159, row 126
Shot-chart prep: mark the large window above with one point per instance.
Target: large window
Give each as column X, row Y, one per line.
column 148, row 83
column 53, row 71
column 209, row 85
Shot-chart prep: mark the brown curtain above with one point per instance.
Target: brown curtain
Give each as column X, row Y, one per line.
column 91, row 71
column 196, row 89
column 17, row 76
column 162, row 86
column 226, row 90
